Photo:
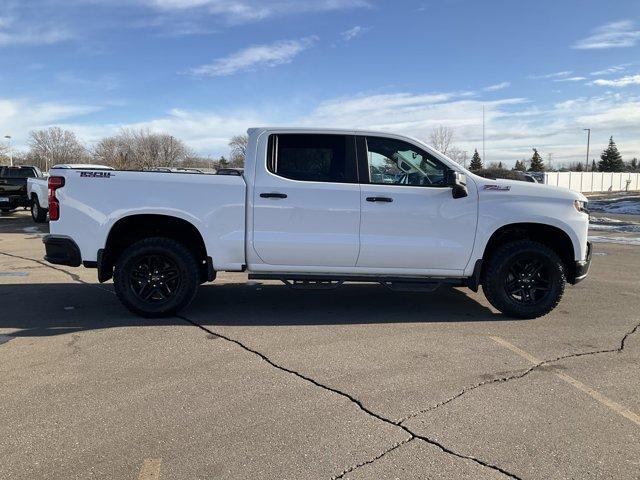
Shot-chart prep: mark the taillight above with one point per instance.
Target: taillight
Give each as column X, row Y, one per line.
column 54, row 206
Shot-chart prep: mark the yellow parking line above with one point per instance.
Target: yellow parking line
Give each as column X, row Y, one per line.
column 607, row 402
column 150, row 469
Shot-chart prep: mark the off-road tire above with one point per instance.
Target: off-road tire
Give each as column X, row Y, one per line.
column 496, row 275
column 128, row 271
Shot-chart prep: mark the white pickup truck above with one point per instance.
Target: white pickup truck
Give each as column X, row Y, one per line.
column 315, row 208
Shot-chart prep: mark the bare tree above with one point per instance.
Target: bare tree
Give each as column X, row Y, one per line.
column 238, row 146
column 140, row 150
column 457, row 155
column 54, row 145
column 441, row 138
column 115, row 152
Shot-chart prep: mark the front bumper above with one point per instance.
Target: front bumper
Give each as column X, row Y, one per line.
column 582, row 266
column 61, row 251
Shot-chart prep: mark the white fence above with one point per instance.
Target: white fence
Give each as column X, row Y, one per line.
column 594, row 181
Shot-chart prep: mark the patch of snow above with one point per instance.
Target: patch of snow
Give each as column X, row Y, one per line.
column 604, row 220
column 618, row 240
column 626, row 204
column 626, row 227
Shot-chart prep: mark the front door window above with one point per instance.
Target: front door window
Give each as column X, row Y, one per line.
column 395, row 162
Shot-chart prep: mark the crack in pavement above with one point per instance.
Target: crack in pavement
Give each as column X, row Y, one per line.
column 75, row 277
column 522, row 374
column 358, row 403
column 374, row 459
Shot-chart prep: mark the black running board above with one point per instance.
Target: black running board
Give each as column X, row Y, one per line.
column 329, row 282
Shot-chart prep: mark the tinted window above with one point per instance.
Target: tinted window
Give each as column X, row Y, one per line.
column 313, row 158
column 11, row 172
column 394, row 162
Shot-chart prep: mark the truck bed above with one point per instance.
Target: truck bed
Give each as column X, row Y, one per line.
column 93, row 201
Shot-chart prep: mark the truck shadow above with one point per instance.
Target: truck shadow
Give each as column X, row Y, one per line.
column 275, row 304
column 54, row 309
column 20, row 221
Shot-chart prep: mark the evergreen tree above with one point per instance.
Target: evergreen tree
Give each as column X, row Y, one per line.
column 476, row 161
column 520, row 166
column 594, row 167
column 633, row 164
column 611, row 160
column 500, row 166
column 537, row 165
column 579, row 167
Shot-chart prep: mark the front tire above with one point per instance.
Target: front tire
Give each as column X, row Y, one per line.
column 38, row 213
column 524, row 279
column 156, row 277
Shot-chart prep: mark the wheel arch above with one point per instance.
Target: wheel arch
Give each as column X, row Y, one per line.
column 552, row 236
column 132, row 228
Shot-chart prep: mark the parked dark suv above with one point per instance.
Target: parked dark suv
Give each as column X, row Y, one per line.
column 13, row 186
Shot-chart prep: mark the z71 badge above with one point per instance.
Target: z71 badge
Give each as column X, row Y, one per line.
column 96, row 174
column 498, row 188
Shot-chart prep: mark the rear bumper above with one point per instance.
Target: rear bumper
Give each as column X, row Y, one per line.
column 14, row 201
column 61, row 251
column 582, row 267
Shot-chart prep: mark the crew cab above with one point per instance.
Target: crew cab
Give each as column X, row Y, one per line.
column 13, row 186
column 38, row 187
column 315, row 208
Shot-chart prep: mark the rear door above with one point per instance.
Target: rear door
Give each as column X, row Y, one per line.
column 410, row 220
column 307, row 202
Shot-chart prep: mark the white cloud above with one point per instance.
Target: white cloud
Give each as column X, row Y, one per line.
column 497, row 86
column 354, row 32
column 13, row 32
column 570, row 79
column 242, row 11
column 610, row 70
column 564, row 73
column 619, row 34
column 618, row 82
column 255, row 57
column 19, row 116
column 513, row 125
column 107, row 82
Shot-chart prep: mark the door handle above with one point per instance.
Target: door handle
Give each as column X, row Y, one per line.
column 273, row 195
column 380, row 199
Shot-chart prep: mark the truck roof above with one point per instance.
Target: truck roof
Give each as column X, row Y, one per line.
column 83, row 166
column 349, row 131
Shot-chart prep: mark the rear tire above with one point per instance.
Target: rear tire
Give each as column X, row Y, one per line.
column 38, row 213
column 156, row 277
column 524, row 279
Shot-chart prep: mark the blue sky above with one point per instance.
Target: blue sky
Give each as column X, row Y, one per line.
column 204, row 70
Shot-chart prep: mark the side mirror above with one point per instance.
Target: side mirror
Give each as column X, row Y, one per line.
column 458, row 183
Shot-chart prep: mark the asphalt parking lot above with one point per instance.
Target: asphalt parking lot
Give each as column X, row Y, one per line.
column 257, row 381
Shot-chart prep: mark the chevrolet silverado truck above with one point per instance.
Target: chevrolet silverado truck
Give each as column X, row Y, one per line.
column 315, row 208
column 13, row 186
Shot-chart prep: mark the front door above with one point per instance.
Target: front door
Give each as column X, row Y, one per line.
column 307, row 202
column 410, row 220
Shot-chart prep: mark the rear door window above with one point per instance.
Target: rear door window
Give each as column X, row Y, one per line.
column 313, row 157
column 16, row 172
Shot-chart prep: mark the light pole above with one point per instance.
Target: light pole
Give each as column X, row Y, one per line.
column 8, row 137
column 484, row 159
column 588, row 130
